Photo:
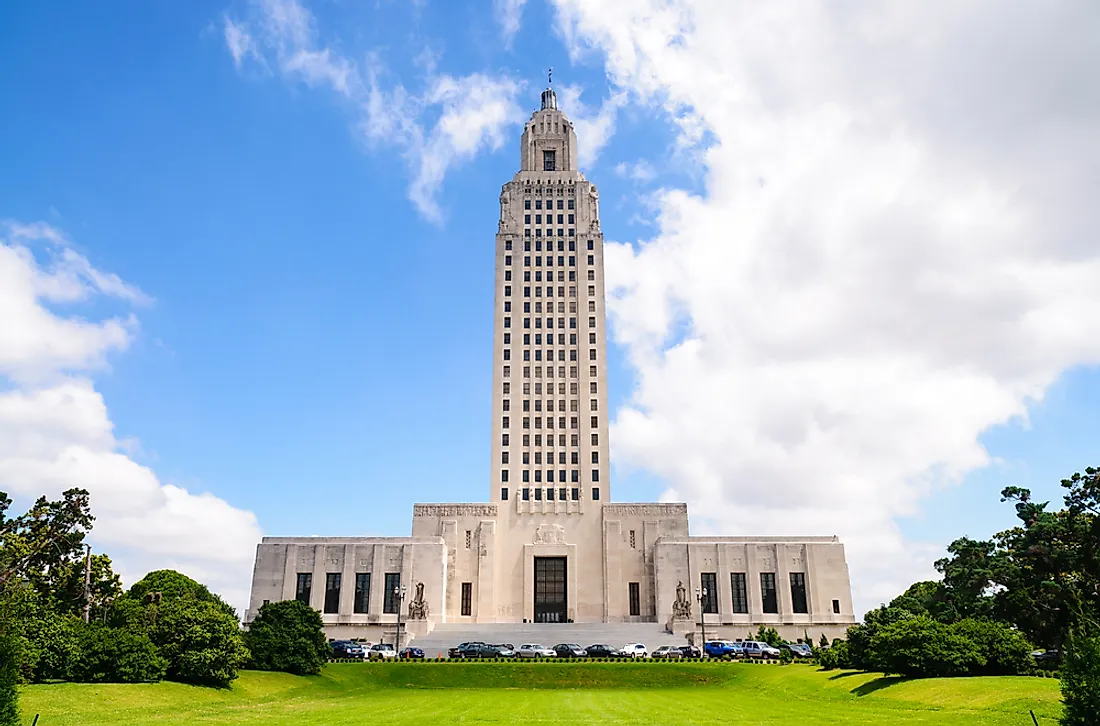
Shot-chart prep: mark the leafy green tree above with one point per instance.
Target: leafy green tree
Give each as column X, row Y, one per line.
column 289, row 636
column 823, row 642
column 114, row 655
column 1080, row 676
column 1005, row 651
column 9, row 675
column 859, row 637
column 969, row 575
column 923, row 647
column 770, row 636
column 37, row 548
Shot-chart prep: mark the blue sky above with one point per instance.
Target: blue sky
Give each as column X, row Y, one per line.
column 316, row 345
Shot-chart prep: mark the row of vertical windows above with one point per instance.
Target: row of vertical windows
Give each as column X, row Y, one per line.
column 574, row 457
column 549, row 203
column 768, row 594
column 574, row 440
column 360, row 601
column 549, row 219
column 506, row 371
column 549, row 232
column 593, row 387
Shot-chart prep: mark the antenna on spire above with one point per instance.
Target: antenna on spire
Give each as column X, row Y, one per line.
column 550, row 76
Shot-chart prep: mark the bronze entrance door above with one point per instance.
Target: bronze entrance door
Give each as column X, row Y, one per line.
column 550, row 591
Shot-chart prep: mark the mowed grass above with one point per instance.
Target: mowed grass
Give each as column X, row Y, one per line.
column 575, row 693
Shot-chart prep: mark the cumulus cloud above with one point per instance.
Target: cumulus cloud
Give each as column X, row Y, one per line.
column 594, row 127
column 894, row 250
column 446, row 123
column 56, row 432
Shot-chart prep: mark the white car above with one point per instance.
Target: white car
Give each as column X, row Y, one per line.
column 634, row 650
column 756, row 649
column 534, row 650
column 381, row 651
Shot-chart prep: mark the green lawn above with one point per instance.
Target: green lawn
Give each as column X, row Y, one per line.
column 577, row 693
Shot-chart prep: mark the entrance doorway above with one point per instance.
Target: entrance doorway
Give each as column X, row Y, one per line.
column 550, row 590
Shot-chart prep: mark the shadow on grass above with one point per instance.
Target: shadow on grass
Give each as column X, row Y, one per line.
column 849, row 674
column 878, row 684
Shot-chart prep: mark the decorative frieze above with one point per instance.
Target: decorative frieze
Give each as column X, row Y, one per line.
column 645, row 510
column 454, row 510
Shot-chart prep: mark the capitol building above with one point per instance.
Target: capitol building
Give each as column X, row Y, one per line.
column 551, row 544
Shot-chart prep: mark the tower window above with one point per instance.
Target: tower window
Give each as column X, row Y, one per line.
column 548, row 161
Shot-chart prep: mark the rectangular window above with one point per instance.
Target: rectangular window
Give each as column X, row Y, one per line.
column 836, row 606
column 740, row 592
column 332, row 593
column 504, row 493
column 392, row 596
column 595, row 494
column 575, row 494
column 550, row 492
column 561, row 490
column 362, row 592
column 538, row 492
column 526, row 491
column 767, row 592
column 305, row 587
column 467, row 598
column 635, row 598
column 709, row 582
column 548, row 161
column 798, row 592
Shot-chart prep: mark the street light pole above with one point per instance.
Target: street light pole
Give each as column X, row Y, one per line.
column 399, row 593
column 701, row 595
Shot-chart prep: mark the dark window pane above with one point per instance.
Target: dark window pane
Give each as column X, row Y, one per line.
column 362, row 592
column 709, row 583
column 767, row 592
column 305, row 587
column 635, row 599
column 392, row 600
column 798, row 592
column 740, row 592
column 332, row 593
column 467, row 598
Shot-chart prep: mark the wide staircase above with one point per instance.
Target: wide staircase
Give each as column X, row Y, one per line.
column 448, row 635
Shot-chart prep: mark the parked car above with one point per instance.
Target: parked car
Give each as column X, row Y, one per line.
column 456, row 652
column 381, row 651
column 347, row 649
column 691, row 651
column 668, row 652
column 1047, row 658
column 569, row 650
column 722, row 649
column 799, row 650
column 602, row 650
column 411, row 653
column 756, row 649
column 534, row 650
column 504, row 650
column 634, row 650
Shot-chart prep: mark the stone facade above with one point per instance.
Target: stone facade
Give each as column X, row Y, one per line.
column 550, row 545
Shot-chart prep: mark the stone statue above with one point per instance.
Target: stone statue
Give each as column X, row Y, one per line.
column 682, row 607
column 549, row 534
column 594, row 206
column 418, row 608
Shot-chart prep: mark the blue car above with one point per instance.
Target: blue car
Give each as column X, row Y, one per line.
column 347, row 649
column 722, row 649
column 411, row 653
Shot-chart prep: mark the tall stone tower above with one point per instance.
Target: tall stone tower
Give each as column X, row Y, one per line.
column 549, row 373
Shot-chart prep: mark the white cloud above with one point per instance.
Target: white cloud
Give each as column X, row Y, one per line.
column 450, row 121
column 894, row 251
column 594, row 128
column 238, row 41
column 56, row 433
column 508, row 14
column 640, row 170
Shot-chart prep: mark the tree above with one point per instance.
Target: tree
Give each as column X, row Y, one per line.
column 969, row 574
column 114, row 655
column 769, row 636
column 289, row 636
column 195, row 630
column 9, row 675
column 823, row 642
column 36, row 547
column 1080, row 676
column 923, row 647
column 1005, row 651
column 859, row 654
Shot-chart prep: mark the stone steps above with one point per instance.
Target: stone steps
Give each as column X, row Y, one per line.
column 448, row 635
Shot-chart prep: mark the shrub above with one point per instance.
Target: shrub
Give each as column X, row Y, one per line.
column 923, row 647
column 1006, row 651
column 50, row 644
column 9, row 676
column 835, row 656
column 1080, row 677
column 201, row 642
column 288, row 636
column 114, row 655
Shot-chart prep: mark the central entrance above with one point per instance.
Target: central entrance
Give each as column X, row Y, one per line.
column 550, row 590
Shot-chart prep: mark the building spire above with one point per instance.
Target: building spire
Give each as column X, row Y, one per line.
column 549, row 98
